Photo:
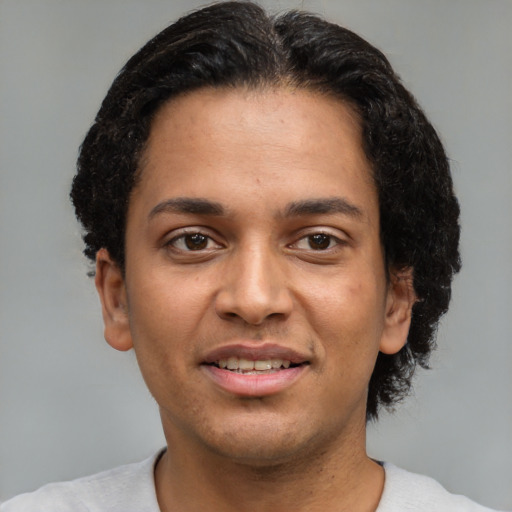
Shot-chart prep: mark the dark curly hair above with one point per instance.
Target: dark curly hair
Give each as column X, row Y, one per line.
column 236, row 44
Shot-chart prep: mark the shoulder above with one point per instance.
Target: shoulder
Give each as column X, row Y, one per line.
column 405, row 491
column 123, row 489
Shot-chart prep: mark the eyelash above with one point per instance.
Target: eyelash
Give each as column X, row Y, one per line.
column 333, row 241
column 322, row 237
column 173, row 243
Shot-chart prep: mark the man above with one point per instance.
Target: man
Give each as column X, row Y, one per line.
column 275, row 232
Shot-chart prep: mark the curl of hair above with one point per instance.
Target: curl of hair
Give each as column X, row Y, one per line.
column 236, row 44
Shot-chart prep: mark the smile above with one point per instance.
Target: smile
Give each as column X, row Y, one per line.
column 249, row 367
column 251, row 372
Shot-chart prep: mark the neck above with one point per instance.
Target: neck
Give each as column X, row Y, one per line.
column 338, row 478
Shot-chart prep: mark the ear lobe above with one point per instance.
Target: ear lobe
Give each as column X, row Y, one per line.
column 112, row 292
column 400, row 300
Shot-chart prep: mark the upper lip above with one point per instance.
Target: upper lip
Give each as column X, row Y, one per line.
column 252, row 352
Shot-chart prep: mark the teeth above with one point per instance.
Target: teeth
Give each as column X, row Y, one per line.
column 233, row 363
column 246, row 365
column 263, row 365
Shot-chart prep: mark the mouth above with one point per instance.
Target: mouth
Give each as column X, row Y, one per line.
column 249, row 367
column 249, row 371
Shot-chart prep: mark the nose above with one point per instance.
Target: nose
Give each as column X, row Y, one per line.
column 254, row 287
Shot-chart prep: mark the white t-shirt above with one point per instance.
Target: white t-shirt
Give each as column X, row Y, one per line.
column 131, row 488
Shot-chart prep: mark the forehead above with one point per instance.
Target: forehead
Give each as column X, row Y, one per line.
column 236, row 143
column 293, row 116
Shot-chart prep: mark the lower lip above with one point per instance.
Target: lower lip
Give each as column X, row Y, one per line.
column 254, row 385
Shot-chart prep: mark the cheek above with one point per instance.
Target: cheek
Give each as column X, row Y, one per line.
column 163, row 316
column 348, row 315
column 160, row 299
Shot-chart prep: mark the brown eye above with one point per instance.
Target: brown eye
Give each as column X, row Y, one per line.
column 319, row 241
column 195, row 242
column 192, row 242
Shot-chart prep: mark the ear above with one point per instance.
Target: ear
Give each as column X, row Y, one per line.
column 112, row 291
column 400, row 300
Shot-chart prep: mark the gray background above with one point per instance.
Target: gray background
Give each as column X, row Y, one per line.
column 70, row 405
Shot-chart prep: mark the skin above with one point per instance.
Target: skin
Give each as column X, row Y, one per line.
column 294, row 260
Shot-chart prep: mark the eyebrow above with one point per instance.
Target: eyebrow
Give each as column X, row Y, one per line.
column 321, row 206
column 201, row 206
column 196, row 205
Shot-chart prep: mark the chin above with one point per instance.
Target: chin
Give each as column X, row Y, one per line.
column 262, row 446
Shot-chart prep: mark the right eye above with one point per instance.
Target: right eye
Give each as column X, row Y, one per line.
column 187, row 242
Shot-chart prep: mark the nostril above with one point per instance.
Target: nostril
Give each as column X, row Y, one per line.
column 242, row 300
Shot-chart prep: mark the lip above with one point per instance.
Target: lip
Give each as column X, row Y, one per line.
column 259, row 352
column 250, row 385
column 254, row 385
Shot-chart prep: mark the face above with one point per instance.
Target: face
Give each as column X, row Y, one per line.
column 255, row 294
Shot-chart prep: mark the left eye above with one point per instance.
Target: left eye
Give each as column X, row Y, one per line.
column 317, row 242
column 192, row 242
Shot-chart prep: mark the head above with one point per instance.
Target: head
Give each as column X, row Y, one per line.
column 236, row 45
